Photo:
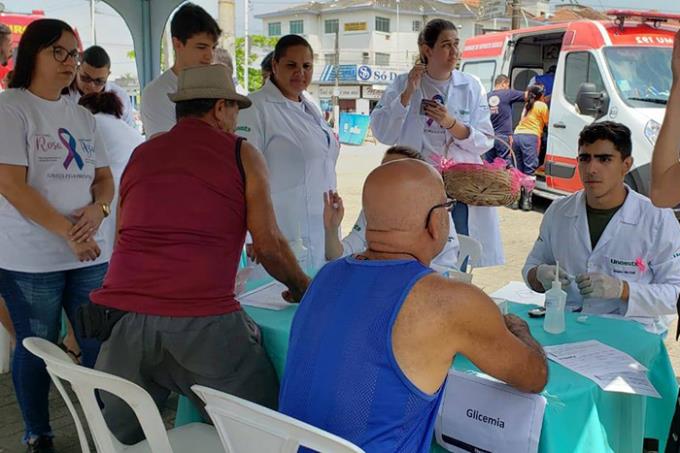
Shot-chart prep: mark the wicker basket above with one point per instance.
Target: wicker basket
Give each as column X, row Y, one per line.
column 482, row 184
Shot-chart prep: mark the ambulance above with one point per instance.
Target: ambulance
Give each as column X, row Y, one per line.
column 617, row 70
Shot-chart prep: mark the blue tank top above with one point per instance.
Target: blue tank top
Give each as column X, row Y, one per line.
column 341, row 373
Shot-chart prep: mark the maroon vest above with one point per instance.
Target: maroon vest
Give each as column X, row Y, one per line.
column 182, row 225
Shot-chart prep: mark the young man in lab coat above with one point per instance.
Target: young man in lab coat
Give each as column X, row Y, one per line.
column 618, row 254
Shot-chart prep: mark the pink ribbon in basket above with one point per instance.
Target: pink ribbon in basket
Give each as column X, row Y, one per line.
column 518, row 179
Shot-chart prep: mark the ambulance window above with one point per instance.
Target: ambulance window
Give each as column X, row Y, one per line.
column 581, row 67
column 485, row 70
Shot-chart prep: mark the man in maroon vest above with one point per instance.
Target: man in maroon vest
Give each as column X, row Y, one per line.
column 187, row 198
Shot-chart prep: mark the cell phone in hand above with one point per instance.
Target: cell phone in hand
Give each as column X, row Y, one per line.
column 537, row 312
column 425, row 102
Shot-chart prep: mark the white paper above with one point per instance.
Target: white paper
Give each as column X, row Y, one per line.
column 267, row 296
column 633, row 382
column 481, row 415
column 519, row 293
column 611, row 369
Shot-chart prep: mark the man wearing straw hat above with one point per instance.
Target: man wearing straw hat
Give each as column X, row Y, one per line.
column 187, row 198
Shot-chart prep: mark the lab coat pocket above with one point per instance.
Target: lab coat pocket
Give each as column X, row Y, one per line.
column 629, row 268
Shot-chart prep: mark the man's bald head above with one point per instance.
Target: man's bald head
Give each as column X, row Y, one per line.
column 396, row 199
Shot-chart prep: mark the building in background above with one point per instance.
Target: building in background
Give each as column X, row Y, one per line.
column 377, row 40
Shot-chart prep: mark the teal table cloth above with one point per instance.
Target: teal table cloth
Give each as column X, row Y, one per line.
column 579, row 416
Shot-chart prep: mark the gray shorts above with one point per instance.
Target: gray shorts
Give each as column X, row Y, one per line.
column 167, row 354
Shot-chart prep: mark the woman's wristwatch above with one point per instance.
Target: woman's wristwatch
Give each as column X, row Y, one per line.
column 106, row 208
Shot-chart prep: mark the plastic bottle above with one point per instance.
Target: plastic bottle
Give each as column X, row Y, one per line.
column 555, row 301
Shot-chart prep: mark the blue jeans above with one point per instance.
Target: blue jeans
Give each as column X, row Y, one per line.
column 35, row 302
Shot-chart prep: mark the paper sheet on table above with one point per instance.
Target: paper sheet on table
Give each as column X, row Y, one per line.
column 267, row 296
column 520, row 293
column 611, row 369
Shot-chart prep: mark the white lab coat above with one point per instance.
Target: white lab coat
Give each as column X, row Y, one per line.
column 120, row 139
column 393, row 124
column 301, row 151
column 638, row 232
column 355, row 242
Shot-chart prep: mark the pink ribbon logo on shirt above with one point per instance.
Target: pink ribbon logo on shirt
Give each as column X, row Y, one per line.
column 639, row 262
column 70, row 143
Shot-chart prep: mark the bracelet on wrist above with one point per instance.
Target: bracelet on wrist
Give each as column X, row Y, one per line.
column 455, row 121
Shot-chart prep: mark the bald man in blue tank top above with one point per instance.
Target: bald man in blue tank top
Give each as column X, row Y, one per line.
column 375, row 334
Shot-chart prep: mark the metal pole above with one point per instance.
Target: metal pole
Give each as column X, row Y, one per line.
column 398, row 29
column 516, row 14
column 246, row 51
column 93, row 35
column 336, row 90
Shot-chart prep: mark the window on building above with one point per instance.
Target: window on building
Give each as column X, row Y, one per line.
column 331, row 25
column 274, row 28
column 485, row 70
column 365, row 58
column 382, row 24
column 416, row 26
column 479, row 29
column 329, row 58
column 580, row 68
column 297, row 27
column 382, row 59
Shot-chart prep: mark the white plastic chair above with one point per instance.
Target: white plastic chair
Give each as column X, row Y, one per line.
column 192, row 438
column 471, row 249
column 241, row 425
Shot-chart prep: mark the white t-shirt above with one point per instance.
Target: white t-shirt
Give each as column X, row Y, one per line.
column 120, row 141
column 59, row 143
column 74, row 95
column 158, row 111
column 355, row 242
column 434, row 135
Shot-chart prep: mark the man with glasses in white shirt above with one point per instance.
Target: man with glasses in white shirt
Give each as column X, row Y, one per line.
column 92, row 77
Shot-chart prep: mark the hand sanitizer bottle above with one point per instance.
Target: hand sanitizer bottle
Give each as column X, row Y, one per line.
column 555, row 301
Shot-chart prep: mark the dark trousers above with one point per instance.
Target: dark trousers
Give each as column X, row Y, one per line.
column 526, row 148
column 166, row 354
column 500, row 150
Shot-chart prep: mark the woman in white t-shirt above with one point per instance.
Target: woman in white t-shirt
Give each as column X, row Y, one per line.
column 443, row 113
column 120, row 140
column 300, row 148
column 56, row 188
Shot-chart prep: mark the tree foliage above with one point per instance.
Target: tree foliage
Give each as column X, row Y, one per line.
column 254, row 74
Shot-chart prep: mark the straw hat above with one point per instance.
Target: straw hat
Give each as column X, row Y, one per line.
column 207, row 82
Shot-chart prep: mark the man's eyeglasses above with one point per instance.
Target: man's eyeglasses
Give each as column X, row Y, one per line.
column 448, row 205
column 87, row 80
column 61, row 54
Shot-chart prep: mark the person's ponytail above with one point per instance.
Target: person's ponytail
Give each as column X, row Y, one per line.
column 534, row 93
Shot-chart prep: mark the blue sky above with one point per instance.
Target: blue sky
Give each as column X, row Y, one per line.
column 109, row 24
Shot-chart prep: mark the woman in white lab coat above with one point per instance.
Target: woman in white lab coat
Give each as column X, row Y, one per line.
column 120, row 139
column 443, row 112
column 300, row 148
